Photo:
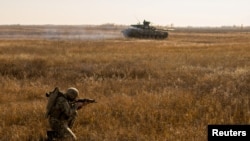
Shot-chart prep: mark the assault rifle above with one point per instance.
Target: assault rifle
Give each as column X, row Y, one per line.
column 85, row 100
column 79, row 103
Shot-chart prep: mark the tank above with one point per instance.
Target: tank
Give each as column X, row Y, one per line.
column 145, row 31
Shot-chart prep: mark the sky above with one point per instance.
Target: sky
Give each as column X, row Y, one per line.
column 126, row 12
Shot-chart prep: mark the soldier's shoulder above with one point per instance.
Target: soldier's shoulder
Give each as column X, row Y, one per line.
column 61, row 99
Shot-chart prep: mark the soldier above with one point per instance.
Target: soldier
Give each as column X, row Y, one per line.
column 62, row 115
column 61, row 111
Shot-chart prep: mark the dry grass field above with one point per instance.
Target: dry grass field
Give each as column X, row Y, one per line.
column 147, row 90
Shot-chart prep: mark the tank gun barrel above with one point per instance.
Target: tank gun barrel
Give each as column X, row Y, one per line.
column 162, row 30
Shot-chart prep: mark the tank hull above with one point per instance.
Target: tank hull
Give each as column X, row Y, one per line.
column 144, row 33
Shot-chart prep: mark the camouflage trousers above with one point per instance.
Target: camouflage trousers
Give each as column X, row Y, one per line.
column 62, row 128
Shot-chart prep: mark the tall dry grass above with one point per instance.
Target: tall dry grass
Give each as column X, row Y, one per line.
column 146, row 90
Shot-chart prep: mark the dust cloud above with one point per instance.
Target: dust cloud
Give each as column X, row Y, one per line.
column 61, row 32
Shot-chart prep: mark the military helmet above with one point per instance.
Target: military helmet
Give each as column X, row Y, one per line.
column 72, row 93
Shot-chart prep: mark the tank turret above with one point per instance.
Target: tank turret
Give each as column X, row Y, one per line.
column 145, row 31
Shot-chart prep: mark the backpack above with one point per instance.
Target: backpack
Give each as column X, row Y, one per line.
column 52, row 96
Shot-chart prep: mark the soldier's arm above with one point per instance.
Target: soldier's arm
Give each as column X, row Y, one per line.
column 65, row 107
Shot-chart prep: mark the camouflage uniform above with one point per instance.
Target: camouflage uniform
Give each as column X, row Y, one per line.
column 62, row 117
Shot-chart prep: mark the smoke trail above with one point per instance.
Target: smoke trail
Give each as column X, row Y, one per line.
column 82, row 32
column 63, row 32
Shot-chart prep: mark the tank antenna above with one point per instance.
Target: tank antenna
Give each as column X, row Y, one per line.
column 137, row 20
